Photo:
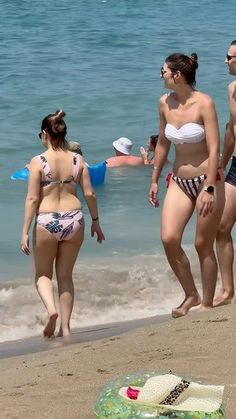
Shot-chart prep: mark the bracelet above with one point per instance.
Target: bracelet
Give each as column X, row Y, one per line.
column 95, row 219
column 156, row 168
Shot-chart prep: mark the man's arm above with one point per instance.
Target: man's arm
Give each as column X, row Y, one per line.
column 232, row 105
column 229, row 143
column 230, row 133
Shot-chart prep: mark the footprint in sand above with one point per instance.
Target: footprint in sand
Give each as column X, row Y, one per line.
column 224, row 319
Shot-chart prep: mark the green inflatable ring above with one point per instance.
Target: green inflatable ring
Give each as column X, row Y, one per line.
column 109, row 404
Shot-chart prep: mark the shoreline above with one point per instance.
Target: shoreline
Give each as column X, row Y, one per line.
column 64, row 382
column 30, row 345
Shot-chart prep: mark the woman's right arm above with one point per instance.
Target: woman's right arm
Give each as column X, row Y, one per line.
column 161, row 153
column 91, row 200
column 31, row 203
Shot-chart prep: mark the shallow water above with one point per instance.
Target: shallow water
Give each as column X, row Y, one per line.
column 100, row 61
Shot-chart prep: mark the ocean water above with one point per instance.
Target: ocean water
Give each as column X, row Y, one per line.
column 100, row 61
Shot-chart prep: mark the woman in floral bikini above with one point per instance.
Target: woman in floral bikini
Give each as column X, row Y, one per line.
column 59, row 225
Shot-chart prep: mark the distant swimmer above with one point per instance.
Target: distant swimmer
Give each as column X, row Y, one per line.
column 75, row 147
column 148, row 153
column 123, row 157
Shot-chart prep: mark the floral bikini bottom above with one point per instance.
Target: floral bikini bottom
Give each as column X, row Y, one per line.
column 62, row 225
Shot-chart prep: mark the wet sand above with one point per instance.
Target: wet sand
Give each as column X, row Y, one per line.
column 63, row 378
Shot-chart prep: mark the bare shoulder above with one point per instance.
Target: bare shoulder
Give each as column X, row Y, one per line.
column 111, row 162
column 163, row 98
column 34, row 161
column 34, row 166
column 232, row 90
column 204, row 99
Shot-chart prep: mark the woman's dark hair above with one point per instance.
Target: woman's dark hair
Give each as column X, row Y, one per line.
column 153, row 140
column 55, row 126
column 186, row 65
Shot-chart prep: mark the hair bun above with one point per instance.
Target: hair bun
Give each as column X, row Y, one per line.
column 194, row 58
column 58, row 125
column 59, row 114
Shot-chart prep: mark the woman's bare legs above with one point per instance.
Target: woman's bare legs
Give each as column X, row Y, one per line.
column 225, row 248
column 177, row 210
column 45, row 250
column 206, row 231
column 67, row 253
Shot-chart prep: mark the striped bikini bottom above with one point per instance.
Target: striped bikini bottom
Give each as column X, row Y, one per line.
column 190, row 186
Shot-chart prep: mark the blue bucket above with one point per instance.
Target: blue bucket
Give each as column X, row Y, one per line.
column 97, row 173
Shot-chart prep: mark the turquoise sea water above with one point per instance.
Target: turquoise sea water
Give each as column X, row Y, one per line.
column 100, row 61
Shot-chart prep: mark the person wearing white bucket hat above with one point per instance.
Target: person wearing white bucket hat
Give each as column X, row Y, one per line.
column 123, row 145
column 123, row 157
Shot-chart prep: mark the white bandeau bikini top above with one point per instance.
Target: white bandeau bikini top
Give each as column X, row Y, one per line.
column 189, row 133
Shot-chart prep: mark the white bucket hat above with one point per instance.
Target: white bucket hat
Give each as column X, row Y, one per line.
column 191, row 397
column 123, row 145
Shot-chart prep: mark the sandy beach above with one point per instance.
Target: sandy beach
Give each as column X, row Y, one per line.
column 63, row 382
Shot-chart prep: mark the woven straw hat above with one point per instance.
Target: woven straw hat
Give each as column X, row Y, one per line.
column 195, row 397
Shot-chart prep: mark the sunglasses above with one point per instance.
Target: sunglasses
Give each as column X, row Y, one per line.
column 41, row 133
column 163, row 72
column 229, row 57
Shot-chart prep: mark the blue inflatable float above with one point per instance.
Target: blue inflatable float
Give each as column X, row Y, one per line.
column 22, row 174
column 96, row 172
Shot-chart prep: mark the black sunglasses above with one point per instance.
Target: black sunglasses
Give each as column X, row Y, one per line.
column 229, row 57
column 163, row 72
column 40, row 135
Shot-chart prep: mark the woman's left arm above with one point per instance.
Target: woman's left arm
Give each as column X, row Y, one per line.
column 31, row 203
column 209, row 116
column 91, row 200
column 211, row 126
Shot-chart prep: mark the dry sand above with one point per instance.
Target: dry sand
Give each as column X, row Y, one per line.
column 63, row 383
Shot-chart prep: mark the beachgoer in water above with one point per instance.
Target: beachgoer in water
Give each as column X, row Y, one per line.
column 59, row 223
column 148, row 153
column 75, row 147
column 225, row 248
column 188, row 120
column 122, row 148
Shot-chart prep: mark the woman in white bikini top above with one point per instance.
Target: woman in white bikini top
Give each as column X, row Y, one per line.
column 189, row 133
column 188, row 120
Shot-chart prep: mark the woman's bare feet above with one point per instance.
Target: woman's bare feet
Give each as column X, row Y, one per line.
column 64, row 333
column 202, row 308
column 186, row 305
column 50, row 326
column 223, row 299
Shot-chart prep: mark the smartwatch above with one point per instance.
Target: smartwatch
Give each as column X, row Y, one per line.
column 209, row 189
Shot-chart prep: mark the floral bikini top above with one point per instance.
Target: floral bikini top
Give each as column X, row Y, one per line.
column 48, row 174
